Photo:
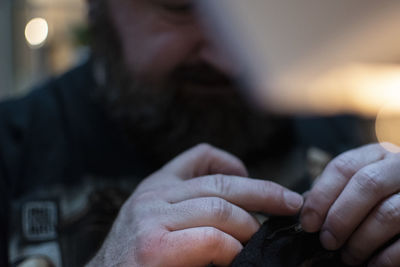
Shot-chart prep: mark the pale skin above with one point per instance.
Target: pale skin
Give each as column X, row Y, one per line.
column 195, row 210
column 192, row 212
column 356, row 206
column 159, row 35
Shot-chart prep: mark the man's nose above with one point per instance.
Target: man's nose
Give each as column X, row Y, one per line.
column 215, row 56
column 207, row 51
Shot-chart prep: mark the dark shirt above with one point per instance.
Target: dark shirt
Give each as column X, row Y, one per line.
column 60, row 132
column 57, row 134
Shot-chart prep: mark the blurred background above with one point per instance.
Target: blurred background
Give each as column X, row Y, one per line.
column 44, row 38
column 39, row 39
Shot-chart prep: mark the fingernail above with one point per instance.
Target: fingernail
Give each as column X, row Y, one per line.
column 310, row 221
column 349, row 259
column 293, row 200
column 328, row 240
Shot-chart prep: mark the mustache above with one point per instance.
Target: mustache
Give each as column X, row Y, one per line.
column 203, row 74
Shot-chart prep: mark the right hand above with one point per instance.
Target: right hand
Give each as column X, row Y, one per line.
column 192, row 212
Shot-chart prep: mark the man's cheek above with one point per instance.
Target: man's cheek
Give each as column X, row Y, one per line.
column 155, row 63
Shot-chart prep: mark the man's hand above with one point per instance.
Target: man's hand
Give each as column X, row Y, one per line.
column 192, row 212
column 356, row 204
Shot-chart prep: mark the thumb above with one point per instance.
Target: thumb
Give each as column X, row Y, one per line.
column 203, row 160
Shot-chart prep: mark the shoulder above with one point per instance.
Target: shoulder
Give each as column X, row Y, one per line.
column 35, row 130
column 45, row 106
column 45, row 102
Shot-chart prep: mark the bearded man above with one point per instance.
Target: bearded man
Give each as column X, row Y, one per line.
column 154, row 87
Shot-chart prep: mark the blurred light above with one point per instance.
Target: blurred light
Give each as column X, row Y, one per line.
column 354, row 88
column 359, row 88
column 320, row 57
column 387, row 127
column 36, row 32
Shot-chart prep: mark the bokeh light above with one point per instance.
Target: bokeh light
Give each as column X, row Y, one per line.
column 36, row 32
column 357, row 88
column 387, row 127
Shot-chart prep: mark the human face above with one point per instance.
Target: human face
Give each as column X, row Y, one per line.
column 166, row 85
column 158, row 36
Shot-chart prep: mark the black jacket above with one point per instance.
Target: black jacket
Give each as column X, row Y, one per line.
column 60, row 132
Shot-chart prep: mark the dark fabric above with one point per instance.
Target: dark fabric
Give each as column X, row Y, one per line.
column 59, row 133
column 56, row 135
column 4, row 207
column 280, row 242
column 90, row 230
column 335, row 134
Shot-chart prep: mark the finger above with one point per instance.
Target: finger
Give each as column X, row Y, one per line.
column 332, row 181
column 213, row 212
column 203, row 160
column 390, row 257
column 368, row 187
column 212, row 247
column 249, row 194
column 380, row 227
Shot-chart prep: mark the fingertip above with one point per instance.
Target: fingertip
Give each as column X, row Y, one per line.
column 293, row 200
column 328, row 240
column 310, row 221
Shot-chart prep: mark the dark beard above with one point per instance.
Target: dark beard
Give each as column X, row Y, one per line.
column 165, row 121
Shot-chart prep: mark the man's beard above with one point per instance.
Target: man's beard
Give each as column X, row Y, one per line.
column 166, row 119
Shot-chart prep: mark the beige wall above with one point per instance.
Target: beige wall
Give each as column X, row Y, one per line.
column 59, row 53
column 5, row 49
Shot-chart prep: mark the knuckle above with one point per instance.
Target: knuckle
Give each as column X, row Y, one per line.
column 386, row 261
column 221, row 184
column 271, row 190
column 336, row 223
column 143, row 204
column 344, row 164
column 376, row 147
column 204, row 148
column 370, row 181
column 318, row 199
column 212, row 238
column 220, row 209
column 389, row 212
column 316, row 202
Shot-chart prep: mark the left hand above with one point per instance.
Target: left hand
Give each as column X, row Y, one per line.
column 356, row 205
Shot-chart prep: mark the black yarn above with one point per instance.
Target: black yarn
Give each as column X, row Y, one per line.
column 281, row 242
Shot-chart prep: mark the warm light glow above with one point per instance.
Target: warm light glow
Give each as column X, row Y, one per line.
column 356, row 88
column 375, row 86
column 387, row 127
column 36, row 32
column 331, row 58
